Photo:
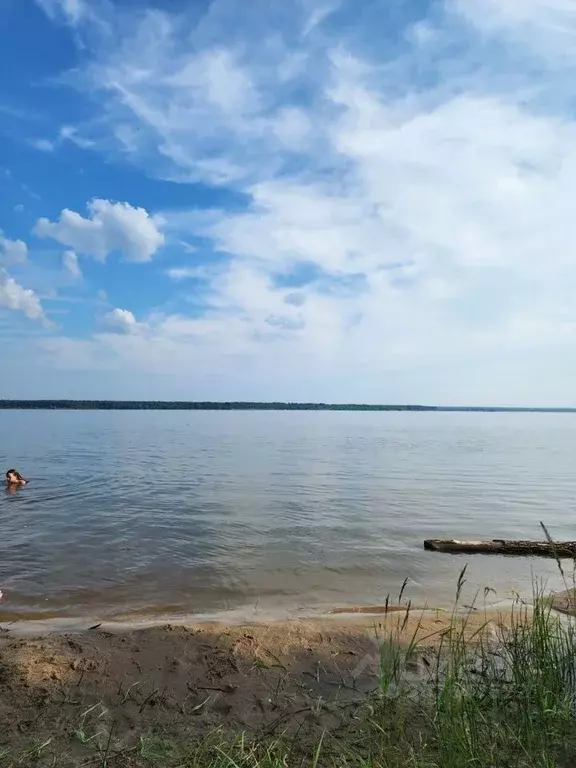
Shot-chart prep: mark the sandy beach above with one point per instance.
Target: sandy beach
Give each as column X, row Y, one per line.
column 114, row 682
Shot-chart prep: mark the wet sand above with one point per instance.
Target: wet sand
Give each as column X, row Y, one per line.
column 114, row 683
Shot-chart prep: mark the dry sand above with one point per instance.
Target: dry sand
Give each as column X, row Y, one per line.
column 186, row 680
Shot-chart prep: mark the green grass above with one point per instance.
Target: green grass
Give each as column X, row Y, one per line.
column 505, row 702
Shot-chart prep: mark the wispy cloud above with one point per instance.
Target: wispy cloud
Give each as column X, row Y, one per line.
column 545, row 27
column 71, row 10
column 421, row 163
column 44, row 145
column 66, row 133
column 70, row 262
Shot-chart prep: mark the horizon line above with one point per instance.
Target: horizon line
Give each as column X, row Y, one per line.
column 114, row 404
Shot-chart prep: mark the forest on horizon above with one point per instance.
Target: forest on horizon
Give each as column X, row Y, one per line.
column 177, row 405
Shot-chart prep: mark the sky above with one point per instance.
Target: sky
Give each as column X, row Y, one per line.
column 307, row 200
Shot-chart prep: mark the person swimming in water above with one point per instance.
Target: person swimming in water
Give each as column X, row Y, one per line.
column 13, row 478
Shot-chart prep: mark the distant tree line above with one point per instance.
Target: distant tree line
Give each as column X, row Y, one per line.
column 168, row 405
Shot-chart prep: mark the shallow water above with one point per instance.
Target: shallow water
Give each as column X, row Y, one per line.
column 272, row 513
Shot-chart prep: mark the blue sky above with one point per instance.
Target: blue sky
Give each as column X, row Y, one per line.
column 339, row 200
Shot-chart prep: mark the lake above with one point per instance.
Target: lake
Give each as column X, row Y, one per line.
column 264, row 514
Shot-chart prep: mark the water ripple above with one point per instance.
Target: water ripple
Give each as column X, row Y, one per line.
column 135, row 511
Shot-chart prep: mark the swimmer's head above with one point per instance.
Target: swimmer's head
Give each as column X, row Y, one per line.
column 13, row 477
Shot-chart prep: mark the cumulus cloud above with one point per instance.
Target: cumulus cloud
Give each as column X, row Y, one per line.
column 108, row 228
column 408, row 202
column 14, row 296
column 70, row 262
column 12, row 251
column 121, row 321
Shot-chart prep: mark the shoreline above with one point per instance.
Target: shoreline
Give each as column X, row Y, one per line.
column 257, row 613
column 39, row 624
column 82, row 614
column 187, row 678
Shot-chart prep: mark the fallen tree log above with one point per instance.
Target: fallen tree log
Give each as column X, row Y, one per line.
column 562, row 549
column 376, row 609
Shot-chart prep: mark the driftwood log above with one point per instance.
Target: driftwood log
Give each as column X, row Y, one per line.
column 562, row 549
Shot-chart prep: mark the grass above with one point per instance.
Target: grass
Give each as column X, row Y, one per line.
column 506, row 701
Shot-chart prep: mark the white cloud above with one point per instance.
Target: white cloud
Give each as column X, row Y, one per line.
column 66, row 133
column 109, row 227
column 71, row 10
column 201, row 272
column 121, row 321
column 192, row 97
column 70, row 262
column 70, row 133
column 426, row 196
column 182, row 273
column 547, row 27
column 13, row 296
column 44, row 145
column 317, row 16
column 12, row 251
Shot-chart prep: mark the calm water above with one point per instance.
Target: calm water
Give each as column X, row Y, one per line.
column 273, row 512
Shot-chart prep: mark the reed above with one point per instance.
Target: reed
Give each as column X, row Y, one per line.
column 505, row 699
